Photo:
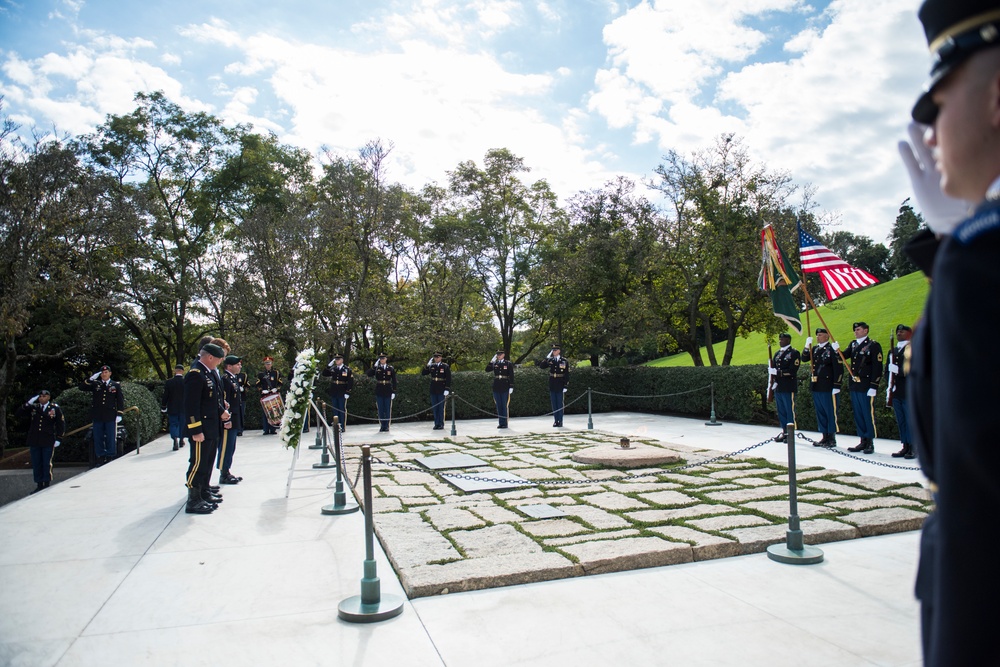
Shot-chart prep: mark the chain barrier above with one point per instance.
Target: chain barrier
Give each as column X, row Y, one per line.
column 494, row 414
column 570, row 482
column 849, row 455
column 679, row 393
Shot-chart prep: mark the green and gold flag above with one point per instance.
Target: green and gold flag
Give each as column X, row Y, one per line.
column 778, row 279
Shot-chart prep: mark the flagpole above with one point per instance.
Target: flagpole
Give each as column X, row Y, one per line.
column 809, row 300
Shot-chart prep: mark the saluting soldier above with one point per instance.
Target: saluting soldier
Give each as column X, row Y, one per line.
column 106, row 409
column 385, row 389
column 46, row 426
column 341, row 384
column 785, row 373
column 866, row 373
column 204, row 411
column 503, row 384
column 895, row 373
column 440, row 373
column 268, row 382
column 231, row 428
column 558, row 382
column 827, row 372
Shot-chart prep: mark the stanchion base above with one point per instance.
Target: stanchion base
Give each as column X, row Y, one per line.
column 346, row 508
column 331, row 464
column 315, row 446
column 713, row 423
column 808, row 556
column 353, row 611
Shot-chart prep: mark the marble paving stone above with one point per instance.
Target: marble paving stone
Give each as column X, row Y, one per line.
column 614, row 501
column 494, row 514
column 450, row 518
column 598, row 475
column 781, row 509
column 745, row 495
column 868, row 482
column 731, row 474
column 538, row 474
column 641, row 485
column 575, row 489
column 819, row 497
column 885, row 520
column 842, row 489
column 815, row 531
column 689, row 480
column 386, row 504
column 450, row 461
column 628, row 553
column 591, row 537
column 553, row 528
column 596, row 517
column 728, row 522
column 405, row 492
column 474, row 574
column 753, row 481
column 872, row 503
column 915, row 492
column 806, row 475
column 661, row 516
column 541, row 511
column 529, row 492
column 412, row 478
column 410, row 541
column 499, row 540
column 705, row 546
column 675, row 498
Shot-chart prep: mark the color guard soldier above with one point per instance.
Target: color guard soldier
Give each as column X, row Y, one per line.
column 503, row 384
column 895, row 374
column 173, row 405
column 385, row 389
column 46, row 426
column 785, row 375
column 204, row 411
column 866, row 372
column 268, row 382
column 243, row 383
column 826, row 374
column 106, row 410
column 231, row 428
column 440, row 373
column 558, row 382
column 953, row 396
column 341, row 385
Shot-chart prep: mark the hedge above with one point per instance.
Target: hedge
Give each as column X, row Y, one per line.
column 75, row 404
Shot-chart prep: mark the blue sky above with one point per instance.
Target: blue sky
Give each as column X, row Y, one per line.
column 583, row 90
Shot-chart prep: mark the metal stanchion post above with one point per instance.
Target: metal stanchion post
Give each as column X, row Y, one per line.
column 340, row 504
column 319, row 444
column 793, row 551
column 590, row 413
column 370, row 606
column 713, row 422
column 453, row 431
column 324, row 459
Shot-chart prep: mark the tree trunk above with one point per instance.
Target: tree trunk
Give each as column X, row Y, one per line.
column 7, row 374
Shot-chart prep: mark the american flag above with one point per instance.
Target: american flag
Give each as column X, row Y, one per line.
column 837, row 275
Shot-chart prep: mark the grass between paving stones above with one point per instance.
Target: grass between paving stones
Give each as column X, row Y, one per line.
column 606, row 508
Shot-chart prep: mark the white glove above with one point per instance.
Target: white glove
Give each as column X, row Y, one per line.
column 393, row 397
column 772, row 371
column 95, row 376
column 446, row 392
column 163, row 410
column 565, row 389
column 809, row 341
column 835, row 345
column 33, row 400
column 430, row 361
column 118, row 419
column 941, row 212
column 836, row 390
column 510, row 391
column 893, row 368
column 347, row 395
column 872, row 392
column 494, row 359
column 332, row 362
column 56, row 444
column 549, row 355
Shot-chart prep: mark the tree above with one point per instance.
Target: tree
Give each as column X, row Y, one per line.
column 907, row 224
column 506, row 222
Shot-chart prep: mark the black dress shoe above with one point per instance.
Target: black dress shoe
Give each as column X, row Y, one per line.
column 200, row 507
column 38, row 488
column 858, row 447
column 780, row 437
column 228, row 480
column 214, row 489
column 901, row 453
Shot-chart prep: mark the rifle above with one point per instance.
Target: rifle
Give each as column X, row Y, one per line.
column 770, row 380
column 892, row 376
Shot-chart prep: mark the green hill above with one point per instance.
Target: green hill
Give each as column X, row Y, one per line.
column 882, row 306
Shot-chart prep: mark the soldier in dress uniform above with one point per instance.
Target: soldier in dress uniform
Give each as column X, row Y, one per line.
column 785, row 375
column 826, row 374
column 952, row 413
column 268, row 382
column 895, row 375
column 440, row 373
column 341, row 384
column 231, row 428
column 866, row 372
column 106, row 410
column 205, row 413
column 558, row 381
column 503, row 384
column 385, row 389
column 243, row 384
column 46, row 426
column 173, row 405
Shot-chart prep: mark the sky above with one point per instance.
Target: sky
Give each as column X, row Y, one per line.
column 582, row 90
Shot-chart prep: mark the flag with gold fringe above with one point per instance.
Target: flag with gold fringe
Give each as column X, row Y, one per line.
column 779, row 280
